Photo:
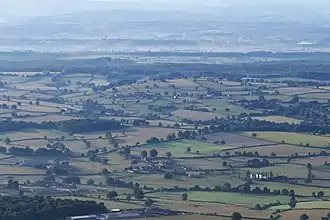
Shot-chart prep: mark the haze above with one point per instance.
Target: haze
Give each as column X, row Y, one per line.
column 52, row 7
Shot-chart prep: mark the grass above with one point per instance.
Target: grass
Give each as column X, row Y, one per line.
column 178, row 148
column 227, row 198
column 306, row 205
column 279, row 119
column 221, row 106
column 300, row 190
column 293, row 138
column 235, row 198
column 194, row 115
column 33, row 134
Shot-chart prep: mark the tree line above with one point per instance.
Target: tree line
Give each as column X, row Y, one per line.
column 40, row 208
column 70, row 126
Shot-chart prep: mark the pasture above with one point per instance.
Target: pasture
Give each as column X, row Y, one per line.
column 279, row 119
column 179, row 148
column 235, row 140
column 306, row 205
column 194, row 115
column 293, row 138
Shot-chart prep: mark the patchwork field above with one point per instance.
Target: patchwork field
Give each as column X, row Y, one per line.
column 219, row 171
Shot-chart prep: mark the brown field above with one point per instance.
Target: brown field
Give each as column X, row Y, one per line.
column 295, row 214
column 281, row 150
column 195, row 115
column 235, row 140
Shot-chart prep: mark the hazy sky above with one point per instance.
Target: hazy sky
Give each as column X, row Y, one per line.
column 51, row 7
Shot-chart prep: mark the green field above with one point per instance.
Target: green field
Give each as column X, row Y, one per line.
column 227, row 198
column 221, row 106
column 279, row 119
column 178, row 148
column 306, row 205
column 235, row 198
column 293, row 138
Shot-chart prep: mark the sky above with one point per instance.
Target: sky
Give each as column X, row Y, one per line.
column 53, row 7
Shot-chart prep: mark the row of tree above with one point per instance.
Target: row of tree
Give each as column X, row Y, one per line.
column 40, row 208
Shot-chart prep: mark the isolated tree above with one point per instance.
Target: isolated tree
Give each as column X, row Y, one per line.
column 126, row 151
column 236, row 216
column 309, row 177
column 292, row 193
column 128, row 198
column 134, row 162
column 184, row 197
column 7, row 140
column 148, row 202
column 188, row 150
column 168, row 154
column 304, row 217
column 112, row 195
column 3, row 149
column 168, row 175
column 224, row 163
column 153, row 153
column 257, row 207
column 90, row 182
column 108, row 136
column 292, row 202
column 320, row 194
column 138, row 193
column 105, row 172
column 144, row 154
